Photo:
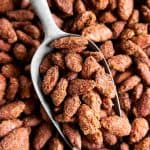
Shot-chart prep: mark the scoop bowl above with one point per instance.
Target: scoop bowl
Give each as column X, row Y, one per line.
column 52, row 32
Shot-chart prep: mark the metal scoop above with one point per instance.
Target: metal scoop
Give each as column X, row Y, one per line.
column 53, row 32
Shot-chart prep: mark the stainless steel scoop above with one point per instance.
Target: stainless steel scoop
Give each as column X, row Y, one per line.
column 52, row 32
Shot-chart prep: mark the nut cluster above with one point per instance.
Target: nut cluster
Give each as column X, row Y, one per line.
column 74, row 81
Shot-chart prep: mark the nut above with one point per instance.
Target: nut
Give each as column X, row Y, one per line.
column 80, row 86
column 74, row 62
column 18, row 139
column 90, row 66
column 12, row 110
column 88, row 122
column 120, row 62
column 59, row 92
column 97, row 33
column 125, row 8
column 7, row 31
column 20, row 15
column 116, row 125
column 50, row 79
column 42, row 135
column 139, row 129
column 73, row 135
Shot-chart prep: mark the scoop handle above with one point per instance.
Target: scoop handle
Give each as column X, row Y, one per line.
column 44, row 13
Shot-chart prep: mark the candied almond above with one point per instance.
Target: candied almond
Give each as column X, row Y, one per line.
column 136, row 51
column 129, row 84
column 33, row 31
column 139, row 129
column 137, row 91
column 20, row 15
column 97, row 33
column 20, row 51
column 26, row 39
column 50, row 79
column 69, row 42
column 93, row 100
column 11, row 110
column 59, row 93
column 120, row 62
column 107, row 49
column 143, row 40
column 73, row 135
column 7, row 31
column 125, row 8
column 20, row 24
column 120, row 77
column 88, row 122
column 83, row 20
column 144, row 72
column 12, row 89
column 130, row 47
column 9, row 125
column 116, row 125
column 90, row 66
column 43, row 134
column 10, row 70
column 74, row 62
column 25, row 87
column 71, row 105
column 66, row 6
column 143, row 106
column 18, row 139
column 45, row 64
column 125, row 102
column 80, row 86
column 117, row 28
column 104, row 84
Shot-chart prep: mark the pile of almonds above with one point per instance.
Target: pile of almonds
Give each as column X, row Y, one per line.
column 121, row 29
